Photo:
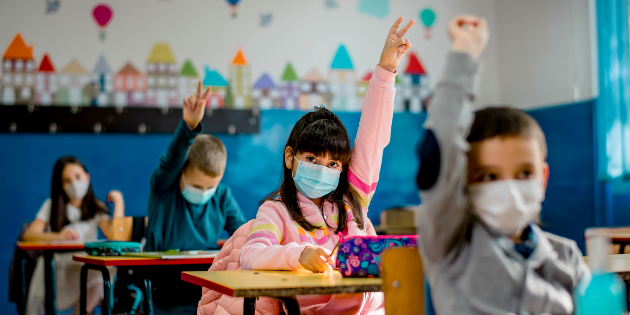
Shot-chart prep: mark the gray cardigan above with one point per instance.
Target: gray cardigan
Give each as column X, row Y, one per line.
column 470, row 270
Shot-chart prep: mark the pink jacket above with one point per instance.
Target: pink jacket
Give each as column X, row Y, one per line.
column 276, row 241
column 213, row 302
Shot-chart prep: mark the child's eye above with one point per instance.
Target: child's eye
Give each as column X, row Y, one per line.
column 487, row 177
column 333, row 164
column 526, row 174
column 310, row 159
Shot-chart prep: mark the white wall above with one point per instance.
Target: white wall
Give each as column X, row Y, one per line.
column 302, row 31
column 544, row 52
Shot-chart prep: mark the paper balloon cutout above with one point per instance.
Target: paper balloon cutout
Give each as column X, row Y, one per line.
column 102, row 15
column 427, row 16
column 233, row 4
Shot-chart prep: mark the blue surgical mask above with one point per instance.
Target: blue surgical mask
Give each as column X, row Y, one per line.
column 315, row 181
column 196, row 195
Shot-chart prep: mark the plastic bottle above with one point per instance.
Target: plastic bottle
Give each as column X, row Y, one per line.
column 605, row 293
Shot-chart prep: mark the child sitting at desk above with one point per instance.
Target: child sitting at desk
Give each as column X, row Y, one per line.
column 71, row 213
column 481, row 189
column 188, row 205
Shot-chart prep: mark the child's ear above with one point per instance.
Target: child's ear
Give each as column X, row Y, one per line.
column 288, row 157
column 545, row 179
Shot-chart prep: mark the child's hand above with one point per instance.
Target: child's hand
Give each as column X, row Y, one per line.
column 395, row 46
column 194, row 107
column 469, row 34
column 68, row 235
column 316, row 259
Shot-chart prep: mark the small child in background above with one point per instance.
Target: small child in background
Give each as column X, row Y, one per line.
column 188, row 205
column 481, row 189
column 327, row 187
column 71, row 213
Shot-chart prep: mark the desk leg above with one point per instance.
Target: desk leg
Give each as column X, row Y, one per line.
column 83, row 295
column 622, row 248
column 249, row 306
column 148, row 298
column 291, row 304
column 49, row 283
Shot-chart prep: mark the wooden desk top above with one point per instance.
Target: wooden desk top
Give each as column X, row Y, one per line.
column 254, row 283
column 137, row 261
column 616, row 234
column 54, row 245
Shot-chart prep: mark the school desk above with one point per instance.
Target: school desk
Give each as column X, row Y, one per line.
column 101, row 263
column 618, row 235
column 49, row 249
column 282, row 285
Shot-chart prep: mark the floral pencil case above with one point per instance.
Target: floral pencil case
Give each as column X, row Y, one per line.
column 360, row 256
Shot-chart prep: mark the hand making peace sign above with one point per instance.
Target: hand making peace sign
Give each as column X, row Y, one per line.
column 194, row 107
column 395, row 46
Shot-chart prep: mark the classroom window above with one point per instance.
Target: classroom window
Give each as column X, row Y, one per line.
column 130, row 82
column 19, row 65
column 7, row 65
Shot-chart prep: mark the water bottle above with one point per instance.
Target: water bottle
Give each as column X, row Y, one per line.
column 605, row 293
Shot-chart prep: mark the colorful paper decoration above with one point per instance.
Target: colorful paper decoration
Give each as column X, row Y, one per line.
column 18, row 64
column 162, row 77
column 415, row 84
column 46, row 88
column 265, row 93
column 331, row 4
column 52, row 6
column 233, row 4
column 290, row 90
column 102, row 15
column 129, row 87
column 72, row 81
column 102, row 78
column 314, row 90
column 265, row 19
column 342, row 81
column 342, row 59
column 427, row 16
column 219, row 88
column 376, row 8
column 240, row 78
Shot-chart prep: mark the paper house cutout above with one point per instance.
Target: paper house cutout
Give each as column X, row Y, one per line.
column 18, row 73
column 342, row 82
column 240, row 82
column 362, row 85
column 314, row 90
column 73, row 80
column 289, row 88
column 129, row 87
column 162, row 77
column 265, row 94
column 46, row 85
column 102, row 79
column 414, row 86
column 188, row 79
column 218, row 88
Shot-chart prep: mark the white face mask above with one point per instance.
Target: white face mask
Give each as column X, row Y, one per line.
column 507, row 206
column 77, row 189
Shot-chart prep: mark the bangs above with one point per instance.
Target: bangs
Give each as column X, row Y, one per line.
column 325, row 136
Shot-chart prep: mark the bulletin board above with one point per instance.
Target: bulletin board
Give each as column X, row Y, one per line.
column 125, row 66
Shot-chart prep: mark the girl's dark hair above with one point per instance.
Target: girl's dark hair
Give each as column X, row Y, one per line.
column 89, row 207
column 319, row 132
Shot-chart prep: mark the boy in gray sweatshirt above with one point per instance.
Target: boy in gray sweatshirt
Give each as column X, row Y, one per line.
column 482, row 180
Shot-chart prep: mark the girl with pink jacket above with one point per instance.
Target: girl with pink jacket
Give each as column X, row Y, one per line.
column 326, row 190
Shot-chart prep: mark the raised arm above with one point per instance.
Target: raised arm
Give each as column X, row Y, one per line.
column 376, row 116
column 444, row 216
column 171, row 162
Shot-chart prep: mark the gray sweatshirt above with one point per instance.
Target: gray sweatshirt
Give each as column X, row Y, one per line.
column 470, row 270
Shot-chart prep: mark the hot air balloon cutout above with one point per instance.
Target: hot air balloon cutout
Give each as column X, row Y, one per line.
column 233, row 4
column 102, row 15
column 427, row 16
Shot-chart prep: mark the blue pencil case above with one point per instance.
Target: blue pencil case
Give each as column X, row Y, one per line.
column 109, row 248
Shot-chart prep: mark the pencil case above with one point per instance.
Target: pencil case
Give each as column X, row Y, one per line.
column 360, row 256
column 108, row 248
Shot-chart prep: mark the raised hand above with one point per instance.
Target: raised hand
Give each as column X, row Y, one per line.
column 117, row 199
column 469, row 34
column 194, row 107
column 395, row 46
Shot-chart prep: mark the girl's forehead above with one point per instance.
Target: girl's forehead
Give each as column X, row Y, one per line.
column 72, row 169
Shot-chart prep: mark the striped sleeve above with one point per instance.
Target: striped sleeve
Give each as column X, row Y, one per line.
column 373, row 135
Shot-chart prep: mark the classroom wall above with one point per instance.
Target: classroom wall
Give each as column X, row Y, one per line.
column 544, row 52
